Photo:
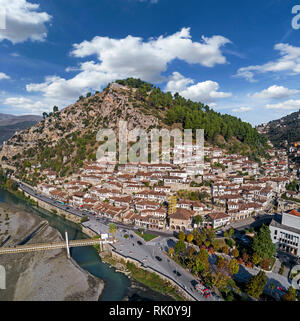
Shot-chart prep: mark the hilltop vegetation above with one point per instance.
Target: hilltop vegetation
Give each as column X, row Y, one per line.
column 224, row 131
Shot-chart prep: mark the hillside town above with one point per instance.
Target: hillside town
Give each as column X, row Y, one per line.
column 164, row 197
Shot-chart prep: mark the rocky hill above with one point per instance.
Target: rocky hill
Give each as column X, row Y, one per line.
column 9, row 124
column 9, row 120
column 64, row 139
column 283, row 131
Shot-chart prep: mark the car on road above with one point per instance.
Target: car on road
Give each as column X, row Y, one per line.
column 139, row 243
column 158, row 258
column 177, row 273
column 201, row 288
column 131, row 235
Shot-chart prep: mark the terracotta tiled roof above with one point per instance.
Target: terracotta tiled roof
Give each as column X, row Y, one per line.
column 294, row 212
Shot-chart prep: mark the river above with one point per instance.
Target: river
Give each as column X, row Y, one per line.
column 117, row 285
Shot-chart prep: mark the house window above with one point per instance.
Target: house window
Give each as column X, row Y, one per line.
column 275, row 232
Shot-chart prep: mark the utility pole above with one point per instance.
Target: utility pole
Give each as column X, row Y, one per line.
column 67, row 243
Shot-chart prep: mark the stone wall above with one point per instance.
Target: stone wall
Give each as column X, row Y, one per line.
column 88, row 232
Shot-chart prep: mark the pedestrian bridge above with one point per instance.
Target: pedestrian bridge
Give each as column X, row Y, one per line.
column 57, row 245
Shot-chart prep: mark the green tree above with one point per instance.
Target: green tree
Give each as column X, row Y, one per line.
column 180, row 247
column 198, row 219
column 84, row 219
column 234, row 266
column 231, row 232
column 255, row 285
column 55, row 109
column 112, row 228
column 201, row 262
column 262, row 243
column 255, row 259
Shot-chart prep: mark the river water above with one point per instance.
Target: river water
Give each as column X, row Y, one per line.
column 117, row 285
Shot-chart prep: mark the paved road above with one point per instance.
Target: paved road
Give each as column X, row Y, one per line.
column 50, row 201
column 272, row 278
column 250, row 222
column 145, row 253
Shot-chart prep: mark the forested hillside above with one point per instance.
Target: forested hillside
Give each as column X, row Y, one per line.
column 224, row 131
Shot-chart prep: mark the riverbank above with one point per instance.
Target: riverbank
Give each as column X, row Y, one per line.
column 40, row 276
column 118, row 286
column 149, row 279
column 152, row 280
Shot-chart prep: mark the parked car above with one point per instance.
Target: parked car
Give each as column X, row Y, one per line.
column 158, row 258
column 201, row 288
column 281, row 289
column 139, row 243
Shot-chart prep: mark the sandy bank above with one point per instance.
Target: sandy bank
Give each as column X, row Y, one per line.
column 41, row 276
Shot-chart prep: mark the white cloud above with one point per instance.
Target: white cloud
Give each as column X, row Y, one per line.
column 24, row 21
column 242, row 109
column 289, row 61
column 135, row 57
column 205, row 92
column 29, row 105
column 286, row 105
column 24, row 104
column 3, row 76
column 275, row 92
column 129, row 57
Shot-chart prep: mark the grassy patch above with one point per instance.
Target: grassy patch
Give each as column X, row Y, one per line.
column 146, row 236
column 153, row 281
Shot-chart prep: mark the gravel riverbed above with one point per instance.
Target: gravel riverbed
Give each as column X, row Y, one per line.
column 44, row 275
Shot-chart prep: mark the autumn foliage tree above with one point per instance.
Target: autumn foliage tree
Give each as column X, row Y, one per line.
column 190, row 238
column 290, row 295
column 235, row 253
column 171, row 251
column 181, row 236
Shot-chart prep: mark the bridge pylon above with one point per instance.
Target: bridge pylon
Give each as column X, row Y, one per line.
column 67, row 243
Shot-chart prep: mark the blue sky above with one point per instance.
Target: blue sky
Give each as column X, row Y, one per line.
column 239, row 57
